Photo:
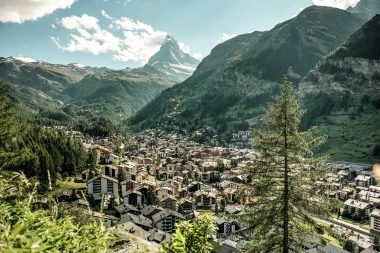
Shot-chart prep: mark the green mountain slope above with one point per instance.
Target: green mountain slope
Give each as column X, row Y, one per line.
column 345, row 90
column 116, row 94
column 239, row 76
column 51, row 79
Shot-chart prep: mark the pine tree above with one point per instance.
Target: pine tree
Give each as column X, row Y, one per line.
column 9, row 129
column 287, row 187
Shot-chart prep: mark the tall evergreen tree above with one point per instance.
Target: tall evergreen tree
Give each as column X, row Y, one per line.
column 288, row 186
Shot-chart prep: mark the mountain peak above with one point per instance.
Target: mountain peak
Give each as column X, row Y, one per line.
column 365, row 9
column 172, row 60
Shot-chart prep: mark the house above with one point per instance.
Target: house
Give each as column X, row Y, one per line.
column 329, row 248
column 183, row 193
column 104, row 200
column 187, row 205
column 205, row 198
column 228, row 246
column 223, row 227
column 134, row 229
column 126, row 208
column 150, row 210
column 140, row 220
column 374, row 220
column 168, row 201
column 358, row 208
column 159, row 236
column 364, row 181
column 161, row 191
column 102, row 184
column 166, row 219
column 134, row 198
column 110, row 171
column 128, row 185
column 111, row 158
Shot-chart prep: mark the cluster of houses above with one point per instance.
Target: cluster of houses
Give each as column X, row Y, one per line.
column 167, row 178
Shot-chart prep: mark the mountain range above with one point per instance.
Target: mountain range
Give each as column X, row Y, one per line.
column 233, row 84
column 331, row 56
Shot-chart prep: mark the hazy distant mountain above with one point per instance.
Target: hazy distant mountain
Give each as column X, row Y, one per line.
column 46, row 92
column 240, row 75
column 51, row 79
column 366, row 9
column 172, row 60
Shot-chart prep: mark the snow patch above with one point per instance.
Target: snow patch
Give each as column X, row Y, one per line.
column 25, row 59
column 78, row 65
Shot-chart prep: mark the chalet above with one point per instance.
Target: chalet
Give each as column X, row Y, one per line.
column 364, row 181
column 103, row 184
column 223, row 227
column 126, row 208
column 110, row 171
column 187, row 205
column 134, row 198
column 183, row 193
column 132, row 228
column 354, row 207
column 151, row 210
column 128, row 185
column 374, row 221
column 205, row 198
column 104, row 200
column 139, row 220
column 160, row 191
column 111, row 158
column 166, row 219
column 168, row 201
column 159, row 236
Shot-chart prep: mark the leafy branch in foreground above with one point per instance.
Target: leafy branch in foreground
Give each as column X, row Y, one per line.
column 288, row 183
column 193, row 236
column 24, row 230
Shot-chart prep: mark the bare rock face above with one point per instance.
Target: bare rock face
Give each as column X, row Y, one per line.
column 358, row 76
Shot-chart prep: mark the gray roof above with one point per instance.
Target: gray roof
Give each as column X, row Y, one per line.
column 132, row 228
column 159, row 236
column 124, row 208
column 331, row 248
column 138, row 220
column 104, row 176
column 130, row 192
column 149, row 209
column 165, row 213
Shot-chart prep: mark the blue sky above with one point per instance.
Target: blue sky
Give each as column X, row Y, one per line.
column 125, row 33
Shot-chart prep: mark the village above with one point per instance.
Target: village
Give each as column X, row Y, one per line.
column 157, row 179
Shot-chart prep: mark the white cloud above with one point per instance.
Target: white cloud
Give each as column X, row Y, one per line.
column 53, row 26
column 104, row 13
column 18, row 11
column 342, row 4
column 198, row 56
column 183, row 47
column 225, row 37
column 138, row 42
column 87, row 36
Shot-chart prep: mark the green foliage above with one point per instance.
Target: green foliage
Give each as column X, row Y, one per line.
column 24, row 230
column 193, row 236
column 349, row 246
column 286, row 179
column 9, row 129
column 46, row 154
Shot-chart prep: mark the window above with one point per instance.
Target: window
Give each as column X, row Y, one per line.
column 97, row 186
